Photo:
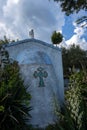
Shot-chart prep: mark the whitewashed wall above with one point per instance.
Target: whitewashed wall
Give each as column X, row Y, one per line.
column 31, row 54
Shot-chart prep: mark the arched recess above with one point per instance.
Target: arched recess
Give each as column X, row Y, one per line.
column 36, row 57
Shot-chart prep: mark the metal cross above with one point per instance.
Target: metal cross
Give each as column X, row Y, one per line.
column 41, row 74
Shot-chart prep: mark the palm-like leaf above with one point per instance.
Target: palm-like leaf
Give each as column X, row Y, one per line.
column 14, row 98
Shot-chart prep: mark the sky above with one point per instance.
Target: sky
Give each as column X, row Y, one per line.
column 18, row 17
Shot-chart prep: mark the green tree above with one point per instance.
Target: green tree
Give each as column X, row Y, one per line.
column 5, row 40
column 14, row 98
column 74, row 58
column 74, row 6
column 71, row 6
column 56, row 37
column 4, row 57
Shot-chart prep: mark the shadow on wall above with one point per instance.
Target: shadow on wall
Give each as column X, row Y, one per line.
column 31, row 57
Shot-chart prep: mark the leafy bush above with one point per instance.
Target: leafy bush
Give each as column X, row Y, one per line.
column 56, row 38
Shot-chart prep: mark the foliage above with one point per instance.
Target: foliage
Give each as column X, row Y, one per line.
column 74, row 6
column 73, row 115
column 5, row 40
column 65, row 121
column 56, row 37
column 71, row 6
column 14, row 99
column 74, row 58
column 4, row 57
column 77, row 99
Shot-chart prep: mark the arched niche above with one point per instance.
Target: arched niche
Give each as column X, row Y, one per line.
column 37, row 57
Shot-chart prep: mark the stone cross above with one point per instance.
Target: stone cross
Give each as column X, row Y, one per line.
column 41, row 74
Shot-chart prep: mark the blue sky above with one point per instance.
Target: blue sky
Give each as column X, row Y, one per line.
column 68, row 28
column 18, row 17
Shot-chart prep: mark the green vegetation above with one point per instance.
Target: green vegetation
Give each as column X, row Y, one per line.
column 5, row 40
column 14, row 98
column 73, row 116
column 77, row 99
column 71, row 6
column 74, row 59
column 56, row 38
column 74, row 6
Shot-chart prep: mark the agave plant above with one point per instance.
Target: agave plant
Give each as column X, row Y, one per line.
column 14, row 99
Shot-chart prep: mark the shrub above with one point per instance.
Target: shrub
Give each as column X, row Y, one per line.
column 14, row 99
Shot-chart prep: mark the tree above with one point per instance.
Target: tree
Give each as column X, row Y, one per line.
column 6, row 41
column 56, row 37
column 74, row 58
column 71, row 6
column 14, row 98
column 4, row 57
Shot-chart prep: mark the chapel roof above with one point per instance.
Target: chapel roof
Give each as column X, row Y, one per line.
column 32, row 40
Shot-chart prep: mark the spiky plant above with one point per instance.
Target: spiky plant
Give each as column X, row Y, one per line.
column 73, row 116
column 14, row 99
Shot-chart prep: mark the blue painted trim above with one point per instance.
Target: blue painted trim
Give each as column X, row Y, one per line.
column 32, row 40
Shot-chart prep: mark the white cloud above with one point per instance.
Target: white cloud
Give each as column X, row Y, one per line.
column 10, row 7
column 78, row 38
column 5, row 31
column 80, row 32
column 19, row 16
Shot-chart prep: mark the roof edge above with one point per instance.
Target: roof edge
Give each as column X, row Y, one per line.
column 32, row 40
